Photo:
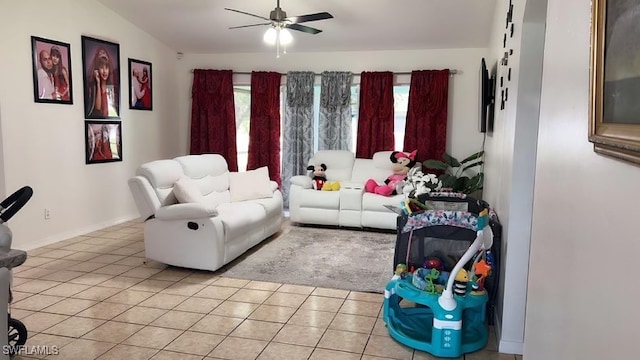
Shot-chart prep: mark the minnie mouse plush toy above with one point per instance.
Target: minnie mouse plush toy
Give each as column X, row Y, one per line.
column 402, row 163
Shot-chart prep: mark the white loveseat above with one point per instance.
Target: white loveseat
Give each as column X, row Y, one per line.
column 351, row 206
column 221, row 214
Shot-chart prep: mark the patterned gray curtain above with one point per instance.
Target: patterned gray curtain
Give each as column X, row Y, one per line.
column 334, row 124
column 297, row 132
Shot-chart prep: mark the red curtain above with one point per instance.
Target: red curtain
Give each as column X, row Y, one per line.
column 264, row 123
column 426, row 126
column 375, row 118
column 213, row 115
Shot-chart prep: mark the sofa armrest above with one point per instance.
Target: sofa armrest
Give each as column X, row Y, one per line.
column 144, row 196
column 186, row 211
column 351, row 185
column 274, row 185
column 301, row 180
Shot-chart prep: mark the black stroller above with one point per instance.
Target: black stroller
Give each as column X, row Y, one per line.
column 17, row 332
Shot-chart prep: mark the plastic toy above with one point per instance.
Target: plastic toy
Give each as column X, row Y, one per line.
column 444, row 325
column 431, row 276
column 433, row 262
column 481, row 269
column 400, row 273
column 460, row 283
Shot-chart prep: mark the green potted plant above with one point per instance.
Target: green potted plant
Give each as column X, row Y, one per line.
column 456, row 173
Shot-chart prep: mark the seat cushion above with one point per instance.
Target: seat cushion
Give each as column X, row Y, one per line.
column 311, row 198
column 375, row 202
column 240, row 218
column 273, row 206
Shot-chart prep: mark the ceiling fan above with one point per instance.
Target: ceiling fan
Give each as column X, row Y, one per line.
column 278, row 19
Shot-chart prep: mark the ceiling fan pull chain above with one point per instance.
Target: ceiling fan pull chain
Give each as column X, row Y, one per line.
column 278, row 40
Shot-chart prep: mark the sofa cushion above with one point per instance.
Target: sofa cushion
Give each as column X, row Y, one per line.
column 375, row 202
column 199, row 166
column 249, row 185
column 320, row 199
column 239, row 219
column 162, row 174
column 186, row 191
column 339, row 163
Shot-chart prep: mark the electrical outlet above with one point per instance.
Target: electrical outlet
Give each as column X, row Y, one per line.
column 47, row 214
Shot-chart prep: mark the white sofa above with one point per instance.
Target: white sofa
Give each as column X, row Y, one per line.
column 211, row 227
column 351, row 206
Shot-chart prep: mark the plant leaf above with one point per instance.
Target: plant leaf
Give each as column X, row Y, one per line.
column 450, row 160
column 475, row 183
column 461, row 184
column 472, row 165
column 435, row 164
column 447, row 180
column 471, row 157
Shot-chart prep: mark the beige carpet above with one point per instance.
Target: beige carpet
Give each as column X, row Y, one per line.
column 324, row 257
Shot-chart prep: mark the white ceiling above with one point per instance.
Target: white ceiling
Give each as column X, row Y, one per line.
column 202, row 26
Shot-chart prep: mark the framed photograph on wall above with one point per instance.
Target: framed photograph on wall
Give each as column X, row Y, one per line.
column 51, row 71
column 101, row 77
column 103, row 141
column 614, row 127
column 140, row 86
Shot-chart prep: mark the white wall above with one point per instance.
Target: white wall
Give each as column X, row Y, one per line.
column 43, row 144
column 463, row 136
column 509, row 164
column 582, row 295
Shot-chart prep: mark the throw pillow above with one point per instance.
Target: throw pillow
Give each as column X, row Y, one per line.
column 249, row 185
column 186, row 191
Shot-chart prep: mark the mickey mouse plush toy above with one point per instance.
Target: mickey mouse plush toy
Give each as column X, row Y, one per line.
column 402, row 163
column 319, row 177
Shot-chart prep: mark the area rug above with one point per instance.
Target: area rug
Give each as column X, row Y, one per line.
column 355, row 260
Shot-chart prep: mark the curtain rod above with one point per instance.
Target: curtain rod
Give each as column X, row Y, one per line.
column 451, row 72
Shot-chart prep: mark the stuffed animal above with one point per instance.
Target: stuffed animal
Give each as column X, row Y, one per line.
column 402, row 163
column 318, row 175
column 331, row 186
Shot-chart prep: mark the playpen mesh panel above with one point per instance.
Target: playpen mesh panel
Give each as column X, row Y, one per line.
column 446, row 242
column 449, row 251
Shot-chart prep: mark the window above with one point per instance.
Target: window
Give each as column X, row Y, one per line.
column 242, row 99
column 400, row 106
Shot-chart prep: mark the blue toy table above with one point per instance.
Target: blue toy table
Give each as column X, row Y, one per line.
column 447, row 324
column 430, row 328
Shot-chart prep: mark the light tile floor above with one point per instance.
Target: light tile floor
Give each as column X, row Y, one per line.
column 94, row 297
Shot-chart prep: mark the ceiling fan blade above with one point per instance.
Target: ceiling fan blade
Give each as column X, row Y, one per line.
column 246, row 13
column 303, row 28
column 309, row 17
column 244, row 26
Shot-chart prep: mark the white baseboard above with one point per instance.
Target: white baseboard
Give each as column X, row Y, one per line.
column 504, row 346
column 76, row 232
column 511, row 347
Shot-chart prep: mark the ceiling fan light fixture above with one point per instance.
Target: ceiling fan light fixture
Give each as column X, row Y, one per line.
column 285, row 37
column 280, row 25
column 277, row 34
column 270, row 36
